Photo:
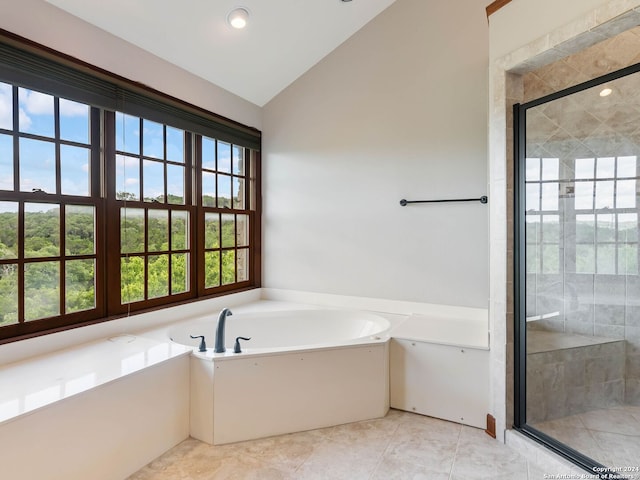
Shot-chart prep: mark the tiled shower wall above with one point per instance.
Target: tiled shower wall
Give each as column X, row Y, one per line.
column 591, row 304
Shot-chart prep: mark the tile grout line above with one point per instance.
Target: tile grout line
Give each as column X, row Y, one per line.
column 391, row 437
column 455, row 454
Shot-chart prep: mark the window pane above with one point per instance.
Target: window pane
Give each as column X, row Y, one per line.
column 6, row 106
column 37, row 165
column 36, row 113
column 211, row 269
column 74, row 121
column 158, row 230
column 626, row 167
column 80, row 230
column 550, row 258
column 533, row 196
column 224, row 157
column 532, row 169
column 625, row 194
column 628, row 227
column 127, row 178
column 606, row 259
column 228, row 267
column 211, row 230
column 175, row 184
column 179, row 230
column 628, row 259
column 551, row 229
column 41, row 230
column 606, row 229
column 243, row 264
column 242, row 233
column 238, row 193
column 127, row 133
column 175, row 144
column 208, row 153
column 153, row 181
column 533, row 229
column 132, row 279
column 585, row 259
column 6, row 161
column 585, row 168
column 208, row 189
column 9, row 297
column 550, row 168
column 604, row 194
column 179, row 272
column 152, row 139
column 585, row 228
column 131, row 230
column 533, row 258
column 158, row 280
column 80, row 285
column 550, row 196
column 41, row 290
column 584, row 195
column 75, row 171
column 605, row 167
column 228, row 230
column 224, row 191
column 238, row 160
column 8, row 231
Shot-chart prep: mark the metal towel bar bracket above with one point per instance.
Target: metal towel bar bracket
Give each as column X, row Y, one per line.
column 483, row 199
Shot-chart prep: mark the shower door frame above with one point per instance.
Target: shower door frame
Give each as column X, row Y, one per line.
column 519, row 275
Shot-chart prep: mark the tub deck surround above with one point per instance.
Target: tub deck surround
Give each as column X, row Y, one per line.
column 439, row 366
column 40, row 381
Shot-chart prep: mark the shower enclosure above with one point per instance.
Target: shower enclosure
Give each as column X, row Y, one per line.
column 577, row 298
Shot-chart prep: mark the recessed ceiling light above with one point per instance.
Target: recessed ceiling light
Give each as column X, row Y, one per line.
column 606, row 92
column 238, row 17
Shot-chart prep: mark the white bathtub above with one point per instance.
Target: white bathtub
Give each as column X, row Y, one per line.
column 285, row 330
column 301, row 370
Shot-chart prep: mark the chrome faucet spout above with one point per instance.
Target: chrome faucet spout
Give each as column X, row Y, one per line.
column 219, row 347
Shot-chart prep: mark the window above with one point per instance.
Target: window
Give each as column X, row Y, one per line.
column 606, row 215
column 49, row 208
column 543, row 221
column 114, row 200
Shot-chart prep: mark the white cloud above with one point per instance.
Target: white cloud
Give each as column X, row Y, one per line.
column 36, row 103
column 72, row 109
column 131, row 181
column 24, row 120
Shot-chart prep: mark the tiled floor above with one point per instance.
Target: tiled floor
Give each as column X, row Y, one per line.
column 400, row 446
column 610, row 436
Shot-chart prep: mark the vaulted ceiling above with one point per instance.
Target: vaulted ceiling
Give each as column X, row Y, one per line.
column 282, row 40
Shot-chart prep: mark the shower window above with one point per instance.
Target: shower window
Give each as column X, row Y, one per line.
column 606, row 215
column 542, row 216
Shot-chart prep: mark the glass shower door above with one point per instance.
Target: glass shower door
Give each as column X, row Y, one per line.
column 578, row 302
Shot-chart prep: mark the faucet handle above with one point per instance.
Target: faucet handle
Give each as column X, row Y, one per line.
column 236, row 347
column 203, row 345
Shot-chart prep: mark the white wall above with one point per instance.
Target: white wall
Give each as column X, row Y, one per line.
column 397, row 111
column 43, row 23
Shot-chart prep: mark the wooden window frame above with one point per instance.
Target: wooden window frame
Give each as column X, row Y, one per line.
column 144, row 103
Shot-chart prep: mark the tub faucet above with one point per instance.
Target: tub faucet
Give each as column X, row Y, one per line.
column 219, row 348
